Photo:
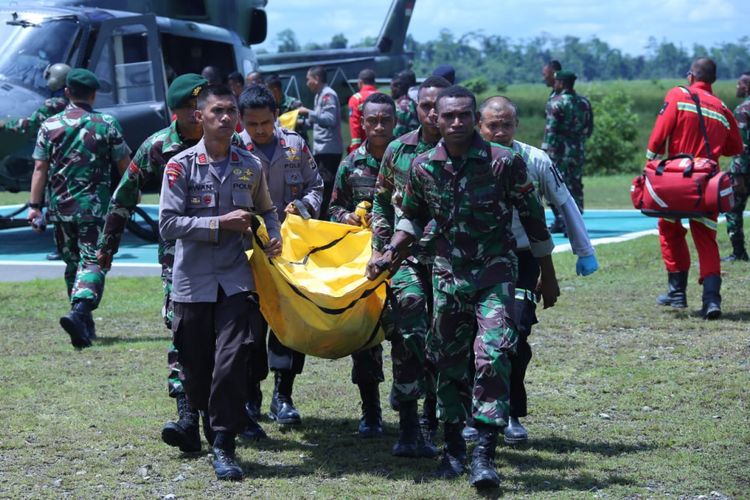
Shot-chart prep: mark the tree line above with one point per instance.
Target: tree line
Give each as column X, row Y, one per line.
column 499, row 59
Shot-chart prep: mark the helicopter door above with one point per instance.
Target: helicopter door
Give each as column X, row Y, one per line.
column 127, row 60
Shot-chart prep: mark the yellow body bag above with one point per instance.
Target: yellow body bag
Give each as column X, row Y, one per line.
column 315, row 295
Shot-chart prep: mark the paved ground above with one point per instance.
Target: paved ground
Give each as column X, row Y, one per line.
column 23, row 252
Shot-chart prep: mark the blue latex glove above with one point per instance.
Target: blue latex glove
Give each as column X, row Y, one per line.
column 587, row 265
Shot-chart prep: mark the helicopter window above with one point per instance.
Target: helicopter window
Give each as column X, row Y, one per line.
column 133, row 70
column 124, row 68
column 191, row 55
column 27, row 48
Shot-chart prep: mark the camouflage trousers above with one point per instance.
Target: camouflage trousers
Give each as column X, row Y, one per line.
column 77, row 243
column 413, row 375
column 406, row 321
column 572, row 173
column 734, row 218
column 480, row 323
column 166, row 259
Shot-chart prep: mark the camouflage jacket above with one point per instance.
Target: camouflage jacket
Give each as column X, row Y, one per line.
column 389, row 190
column 148, row 163
column 354, row 183
column 406, row 116
column 472, row 203
column 288, row 104
column 31, row 125
column 81, row 145
column 569, row 123
column 741, row 162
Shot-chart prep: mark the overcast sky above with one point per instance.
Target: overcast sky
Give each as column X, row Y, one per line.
column 626, row 25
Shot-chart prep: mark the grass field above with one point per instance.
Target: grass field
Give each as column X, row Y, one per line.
column 627, row 400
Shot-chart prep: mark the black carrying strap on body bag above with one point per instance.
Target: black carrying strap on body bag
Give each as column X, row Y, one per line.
column 697, row 102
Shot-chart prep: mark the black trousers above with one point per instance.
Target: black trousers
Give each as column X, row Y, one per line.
column 277, row 356
column 328, row 164
column 213, row 342
column 524, row 315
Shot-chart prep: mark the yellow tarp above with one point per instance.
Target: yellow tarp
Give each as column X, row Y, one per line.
column 289, row 119
column 315, row 295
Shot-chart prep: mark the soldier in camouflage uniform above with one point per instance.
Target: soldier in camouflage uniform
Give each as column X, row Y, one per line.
column 413, row 375
column 354, row 184
column 740, row 173
column 569, row 123
column 148, row 163
column 469, row 188
column 406, row 109
column 55, row 76
column 75, row 150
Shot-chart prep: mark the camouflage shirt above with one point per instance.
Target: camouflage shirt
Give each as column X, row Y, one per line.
column 472, row 201
column 355, row 182
column 148, row 163
column 569, row 123
column 391, row 183
column 81, row 146
column 406, row 116
column 288, row 104
column 741, row 162
column 31, row 125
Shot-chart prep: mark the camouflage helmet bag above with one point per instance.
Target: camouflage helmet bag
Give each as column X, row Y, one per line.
column 55, row 75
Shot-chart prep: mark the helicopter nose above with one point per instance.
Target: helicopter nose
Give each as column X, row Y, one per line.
column 17, row 101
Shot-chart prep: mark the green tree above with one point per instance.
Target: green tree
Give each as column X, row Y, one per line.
column 287, row 41
column 612, row 148
column 338, row 41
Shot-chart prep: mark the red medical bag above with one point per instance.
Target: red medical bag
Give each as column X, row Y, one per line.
column 682, row 187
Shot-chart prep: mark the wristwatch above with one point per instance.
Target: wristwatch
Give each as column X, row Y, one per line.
column 35, row 206
column 389, row 248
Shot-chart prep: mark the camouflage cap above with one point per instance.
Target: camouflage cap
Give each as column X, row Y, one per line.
column 184, row 87
column 82, row 78
column 565, row 76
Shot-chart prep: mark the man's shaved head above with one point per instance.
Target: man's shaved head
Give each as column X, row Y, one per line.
column 498, row 120
column 704, row 70
column 499, row 103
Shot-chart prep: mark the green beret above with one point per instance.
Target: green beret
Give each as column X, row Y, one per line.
column 565, row 76
column 184, row 87
column 80, row 77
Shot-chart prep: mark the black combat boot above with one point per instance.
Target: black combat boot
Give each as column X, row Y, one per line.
column 482, row 472
column 454, row 453
column 74, row 323
column 428, row 421
column 738, row 249
column 411, row 442
column 224, row 462
column 183, row 433
column 711, row 297
column 371, row 423
column 515, row 433
column 469, row 432
column 282, row 406
column 253, row 431
column 675, row 296
column 208, row 432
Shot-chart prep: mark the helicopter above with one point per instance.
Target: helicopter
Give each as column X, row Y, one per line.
column 136, row 47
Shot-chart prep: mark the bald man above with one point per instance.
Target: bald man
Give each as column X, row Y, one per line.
column 498, row 122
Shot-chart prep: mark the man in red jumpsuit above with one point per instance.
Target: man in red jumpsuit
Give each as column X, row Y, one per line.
column 366, row 83
column 678, row 129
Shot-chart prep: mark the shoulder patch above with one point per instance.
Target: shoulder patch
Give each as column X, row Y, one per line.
column 173, row 171
column 133, row 169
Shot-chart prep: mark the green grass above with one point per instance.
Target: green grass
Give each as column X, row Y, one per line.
column 627, row 400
